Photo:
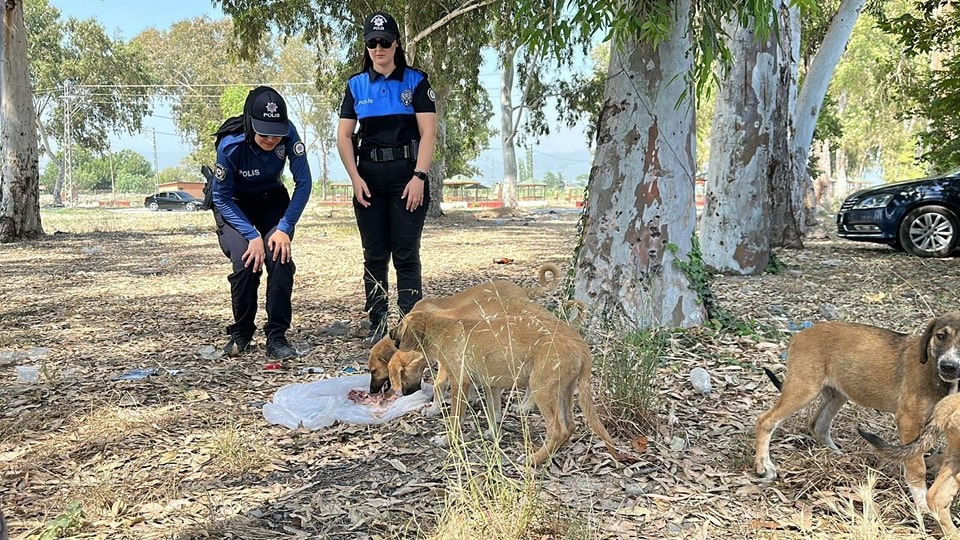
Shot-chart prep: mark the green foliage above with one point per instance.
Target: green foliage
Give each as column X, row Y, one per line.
column 196, row 66
column 928, row 33
column 65, row 525
column 700, row 278
column 124, row 172
column 74, row 62
column 775, row 265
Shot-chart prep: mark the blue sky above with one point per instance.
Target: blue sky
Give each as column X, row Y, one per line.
column 564, row 151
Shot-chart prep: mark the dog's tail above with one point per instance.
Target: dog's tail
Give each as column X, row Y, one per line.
column 589, row 410
column 773, row 378
column 546, row 285
column 926, row 440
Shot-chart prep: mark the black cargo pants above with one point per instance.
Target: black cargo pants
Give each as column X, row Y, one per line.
column 264, row 212
column 388, row 230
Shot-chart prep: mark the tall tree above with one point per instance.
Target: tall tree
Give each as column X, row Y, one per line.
column 20, row 173
column 316, row 103
column 196, row 68
column 89, row 84
column 639, row 221
column 789, row 224
column 932, row 31
column 735, row 223
column 636, row 262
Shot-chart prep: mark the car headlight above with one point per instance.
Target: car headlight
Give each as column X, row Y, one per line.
column 874, row 201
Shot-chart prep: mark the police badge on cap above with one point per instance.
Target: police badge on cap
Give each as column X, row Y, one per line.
column 380, row 25
column 269, row 114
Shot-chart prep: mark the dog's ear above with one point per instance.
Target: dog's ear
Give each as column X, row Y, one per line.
column 376, row 360
column 925, row 340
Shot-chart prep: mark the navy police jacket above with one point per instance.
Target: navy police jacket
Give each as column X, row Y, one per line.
column 246, row 170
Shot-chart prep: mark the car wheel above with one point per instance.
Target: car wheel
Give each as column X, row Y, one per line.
column 154, row 207
column 929, row 231
column 190, row 207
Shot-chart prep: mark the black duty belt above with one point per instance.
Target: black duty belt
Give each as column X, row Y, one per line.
column 386, row 154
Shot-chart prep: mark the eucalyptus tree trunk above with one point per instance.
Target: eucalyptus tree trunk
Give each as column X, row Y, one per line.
column 640, row 216
column 508, row 189
column 20, row 176
column 786, row 188
column 792, row 223
column 735, row 223
column 438, row 168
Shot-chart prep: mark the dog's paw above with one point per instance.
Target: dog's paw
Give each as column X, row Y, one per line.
column 441, row 441
column 766, row 471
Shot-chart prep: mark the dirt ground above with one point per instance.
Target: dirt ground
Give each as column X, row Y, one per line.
column 187, row 453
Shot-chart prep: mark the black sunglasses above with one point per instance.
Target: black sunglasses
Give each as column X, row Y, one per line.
column 382, row 43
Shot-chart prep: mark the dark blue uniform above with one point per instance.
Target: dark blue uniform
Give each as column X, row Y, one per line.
column 386, row 108
column 250, row 201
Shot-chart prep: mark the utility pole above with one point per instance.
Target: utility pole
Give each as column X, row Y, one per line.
column 68, row 145
column 156, row 166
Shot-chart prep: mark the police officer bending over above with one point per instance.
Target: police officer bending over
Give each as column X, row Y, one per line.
column 256, row 217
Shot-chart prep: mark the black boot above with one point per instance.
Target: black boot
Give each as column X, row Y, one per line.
column 378, row 329
column 279, row 348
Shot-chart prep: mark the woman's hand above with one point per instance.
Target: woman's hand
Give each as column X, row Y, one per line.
column 361, row 191
column 413, row 193
column 254, row 254
column 279, row 244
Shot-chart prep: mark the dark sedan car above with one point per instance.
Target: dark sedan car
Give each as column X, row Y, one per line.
column 172, row 200
column 917, row 216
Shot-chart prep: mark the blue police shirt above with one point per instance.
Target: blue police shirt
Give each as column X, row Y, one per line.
column 246, row 169
column 386, row 107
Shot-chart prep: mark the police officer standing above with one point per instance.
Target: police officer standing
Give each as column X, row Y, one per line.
column 256, row 217
column 387, row 160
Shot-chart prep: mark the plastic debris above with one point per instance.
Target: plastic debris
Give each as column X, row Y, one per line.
column 28, row 374
column 135, row 374
column 320, row 403
column 794, row 326
column 210, row 353
column 700, row 379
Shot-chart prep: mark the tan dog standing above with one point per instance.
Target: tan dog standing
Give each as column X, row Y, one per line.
column 876, row 368
column 542, row 353
column 946, row 420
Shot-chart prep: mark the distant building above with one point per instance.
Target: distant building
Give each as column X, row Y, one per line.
column 193, row 188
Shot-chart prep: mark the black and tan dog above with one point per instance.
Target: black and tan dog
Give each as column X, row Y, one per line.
column 536, row 351
column 945, row 420
column 873, row 367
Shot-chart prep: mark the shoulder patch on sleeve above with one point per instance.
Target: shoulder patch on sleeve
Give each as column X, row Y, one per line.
column 299, row 148
column 220, row 172
column 432, row 95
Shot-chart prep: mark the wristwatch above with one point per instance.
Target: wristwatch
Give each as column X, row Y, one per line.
column 421, row 175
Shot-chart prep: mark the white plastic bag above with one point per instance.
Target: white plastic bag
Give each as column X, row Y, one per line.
column 321, row 403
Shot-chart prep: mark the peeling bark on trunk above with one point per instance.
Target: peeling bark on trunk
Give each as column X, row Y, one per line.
column 786, row 190
column 438, row 169
column 641, row 192
column 20, row 177
column 735, row 223
column 508, row 192
column 791, row 191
